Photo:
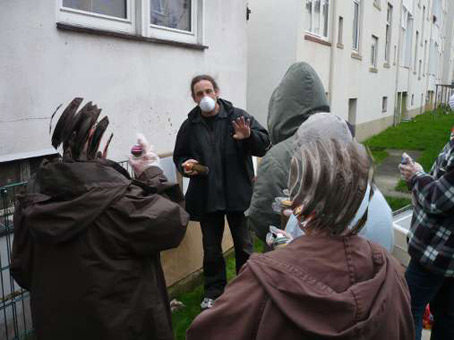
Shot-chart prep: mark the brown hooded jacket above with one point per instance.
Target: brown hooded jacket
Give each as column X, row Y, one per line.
column 315, row 288
column 87, row 243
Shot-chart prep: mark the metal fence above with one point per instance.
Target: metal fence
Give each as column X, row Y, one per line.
column 15, row 315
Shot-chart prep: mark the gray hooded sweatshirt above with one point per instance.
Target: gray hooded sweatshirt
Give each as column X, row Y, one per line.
column 299, row 95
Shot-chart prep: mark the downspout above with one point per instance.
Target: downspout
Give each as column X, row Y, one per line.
column 428, row 52
column 396, row 96
column 331, row 57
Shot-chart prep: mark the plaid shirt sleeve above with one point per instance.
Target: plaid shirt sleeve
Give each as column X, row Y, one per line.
column 436, row 195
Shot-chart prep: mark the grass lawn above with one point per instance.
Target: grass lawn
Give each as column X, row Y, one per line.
column 427, row 133
column 182, row 319
column 397, row 202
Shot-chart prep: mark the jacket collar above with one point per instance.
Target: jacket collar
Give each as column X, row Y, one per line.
column 226, row 109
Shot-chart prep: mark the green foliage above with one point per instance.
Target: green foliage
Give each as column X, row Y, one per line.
column 379, row 156
column 428, row 133
column 402, row 186
column 397, row 203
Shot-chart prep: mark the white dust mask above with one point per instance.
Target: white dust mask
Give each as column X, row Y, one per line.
column 207, row 104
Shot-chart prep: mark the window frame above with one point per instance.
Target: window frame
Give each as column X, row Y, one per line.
column 388, row 32
column 323, row 22
column 374, row 51
column 137, row 22
column 168, row 33
column 384, row 104
column 82, row 18
column 357, row 28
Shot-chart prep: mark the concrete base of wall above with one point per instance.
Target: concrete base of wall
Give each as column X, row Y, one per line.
column 366, row 130
column 187, row 258
column 413, row 113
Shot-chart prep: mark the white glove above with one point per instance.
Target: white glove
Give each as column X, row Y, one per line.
column 147, row 159
column 277, row 238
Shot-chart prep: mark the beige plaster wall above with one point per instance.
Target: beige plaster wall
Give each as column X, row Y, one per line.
column 366, row 130
column 181, row 262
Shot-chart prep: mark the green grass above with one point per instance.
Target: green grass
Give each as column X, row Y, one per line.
column 183, row 318
column 427, row 133
column 396, row 202
column 379, row 156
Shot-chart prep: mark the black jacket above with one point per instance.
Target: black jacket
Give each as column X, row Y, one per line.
column 215, row 150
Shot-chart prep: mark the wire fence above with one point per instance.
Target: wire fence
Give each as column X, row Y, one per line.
column 15, row 315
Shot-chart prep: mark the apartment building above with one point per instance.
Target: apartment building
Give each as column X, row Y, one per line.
column 133, row 58
column 379, row 60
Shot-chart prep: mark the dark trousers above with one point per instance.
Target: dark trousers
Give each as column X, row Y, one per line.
column 213, row 260
column 427, row 287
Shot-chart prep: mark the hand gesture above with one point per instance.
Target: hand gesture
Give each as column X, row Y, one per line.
column 187, row 167
column 242, row 128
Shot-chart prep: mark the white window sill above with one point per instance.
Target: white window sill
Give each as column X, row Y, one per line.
column 316, row 38
column 128, row 36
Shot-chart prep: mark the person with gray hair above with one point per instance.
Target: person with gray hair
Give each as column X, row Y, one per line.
column 378, row 226
column 297, row 99
column 329, row 284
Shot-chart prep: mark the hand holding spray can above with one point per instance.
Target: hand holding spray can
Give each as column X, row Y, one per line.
column 406, row 159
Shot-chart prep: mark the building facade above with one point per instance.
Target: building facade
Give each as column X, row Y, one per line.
column 134, row 59
column 378, row 60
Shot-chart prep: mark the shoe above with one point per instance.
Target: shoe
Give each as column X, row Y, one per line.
column 207, row 303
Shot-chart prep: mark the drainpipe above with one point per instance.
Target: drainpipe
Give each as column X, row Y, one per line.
column 396, row 97
column 428, row 57
column 331, row 57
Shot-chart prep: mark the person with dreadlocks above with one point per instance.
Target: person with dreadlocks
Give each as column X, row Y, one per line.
column 87, row 238
column 331, row 283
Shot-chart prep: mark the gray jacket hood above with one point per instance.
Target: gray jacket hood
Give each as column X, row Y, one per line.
column 299, row 95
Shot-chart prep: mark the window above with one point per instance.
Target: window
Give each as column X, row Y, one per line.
column 113, row 8
column 407, row 25
column 404, row 18
column 425, row 58
column 171, row 14
column 412, row 99
column 340, row 31
column 433, row 58
column 389, row 20
column 374, row 52
column 177, row 20
column 317, row 15
column 384, row 104
column 419, row 70
column 416, row 52
column 423, row 21
column 352, row 105
column 356, row 24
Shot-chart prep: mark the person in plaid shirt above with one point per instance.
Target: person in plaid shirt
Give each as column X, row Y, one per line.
column 430, row 273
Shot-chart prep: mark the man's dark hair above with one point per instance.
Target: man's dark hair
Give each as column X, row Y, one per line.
column 196, row 79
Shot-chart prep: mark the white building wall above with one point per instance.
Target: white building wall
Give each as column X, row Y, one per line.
column 272, row 48
column 141, row 86
column 347, row 75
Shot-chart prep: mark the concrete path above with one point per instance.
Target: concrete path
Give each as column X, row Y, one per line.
column 387, row 175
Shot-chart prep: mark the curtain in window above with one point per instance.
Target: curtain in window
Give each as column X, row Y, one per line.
column 171, row 13
column 114, row 8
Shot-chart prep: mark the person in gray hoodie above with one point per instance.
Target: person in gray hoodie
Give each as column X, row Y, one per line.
column 299, row 95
